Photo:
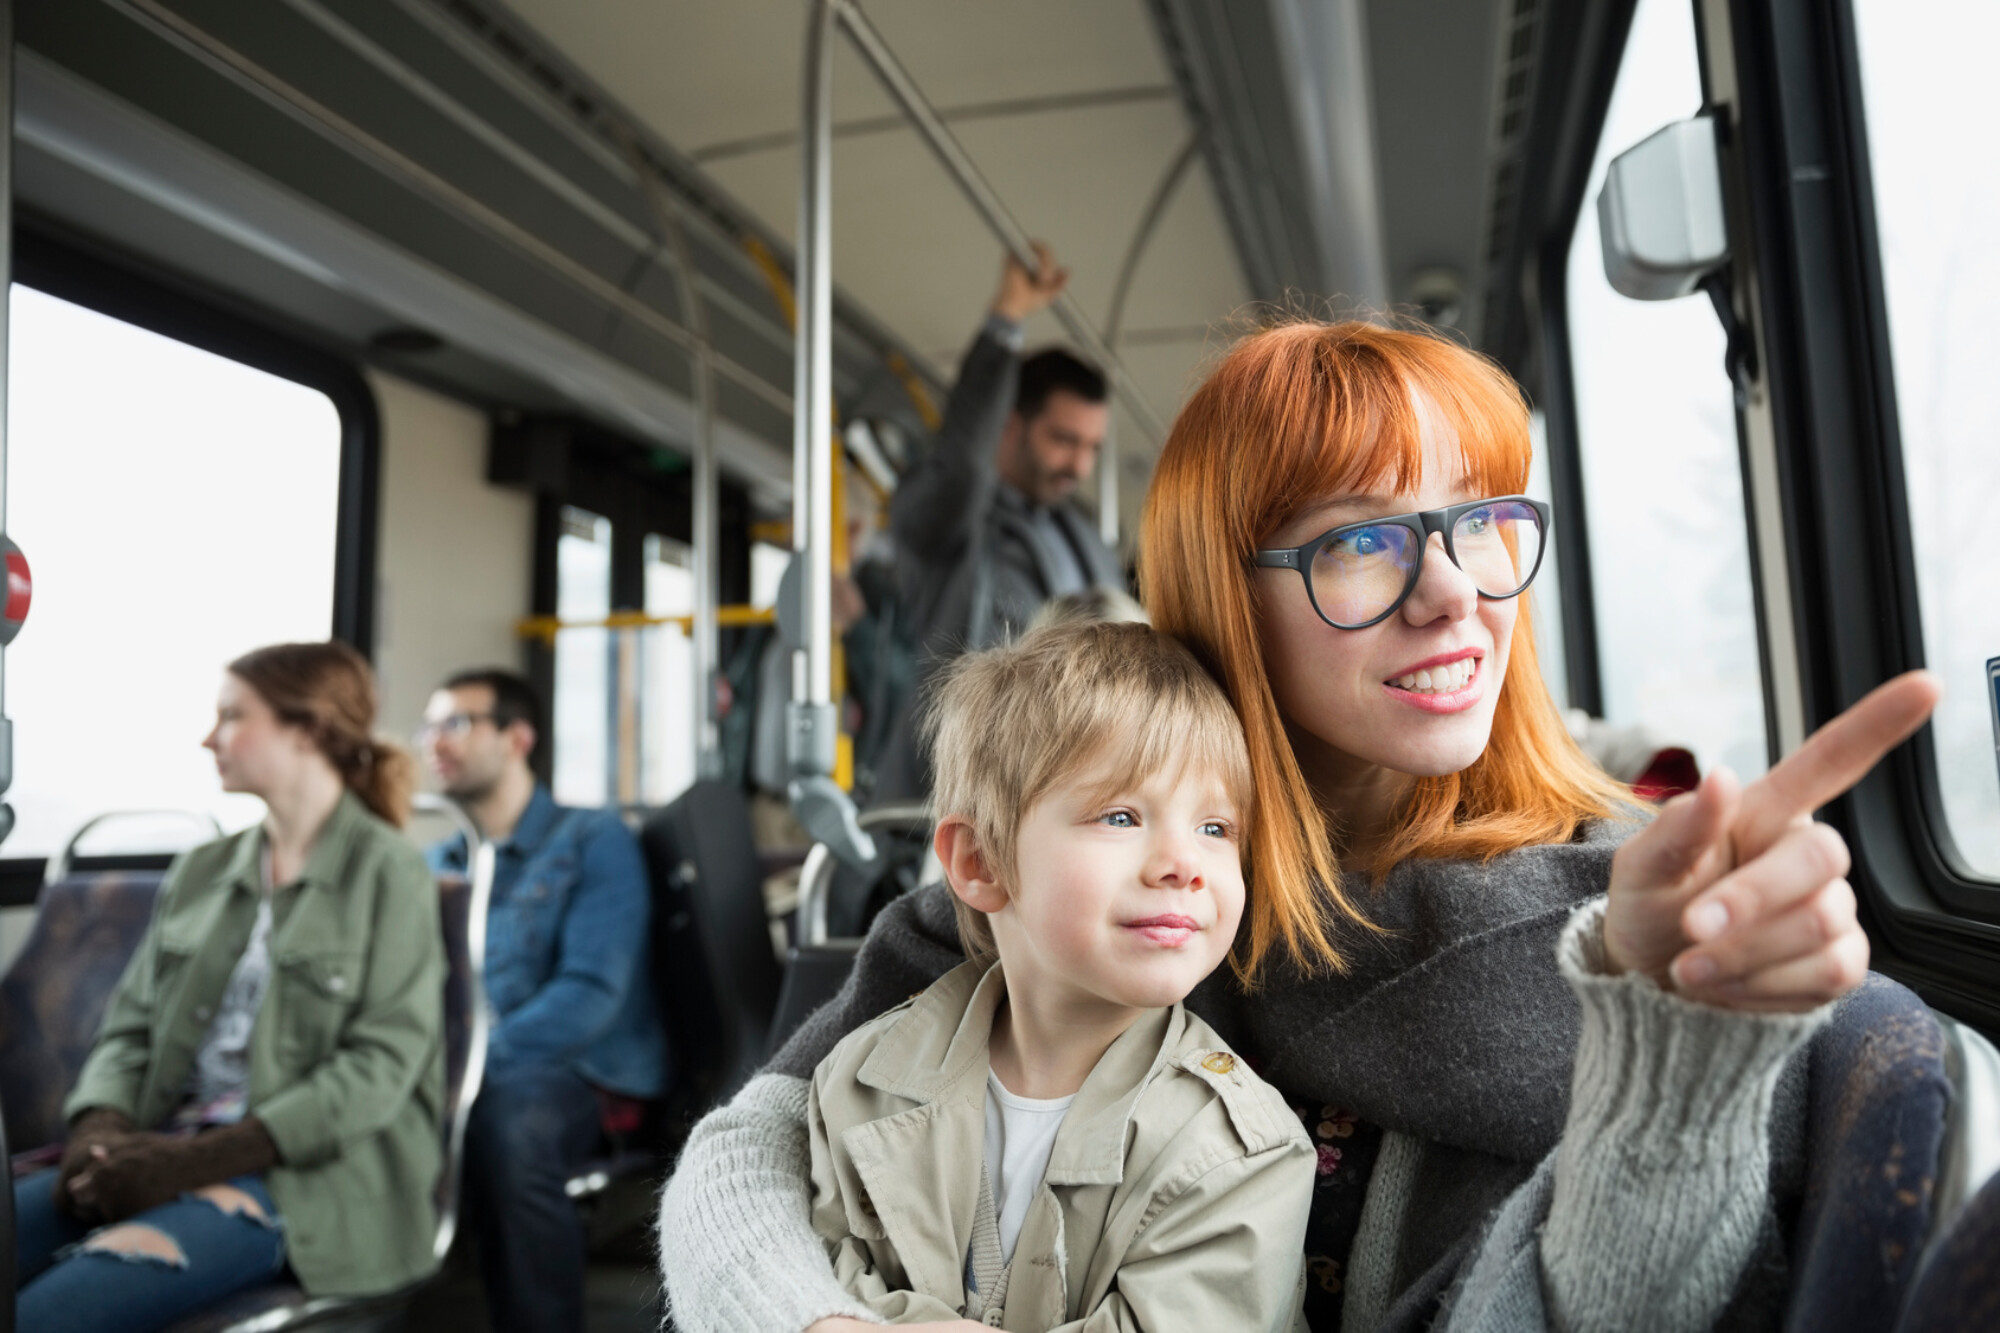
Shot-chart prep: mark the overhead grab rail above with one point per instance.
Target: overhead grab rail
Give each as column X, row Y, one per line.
column 931, row 127
column 546, row 628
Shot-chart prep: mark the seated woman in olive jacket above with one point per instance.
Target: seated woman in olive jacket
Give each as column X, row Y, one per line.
column 267, row 1085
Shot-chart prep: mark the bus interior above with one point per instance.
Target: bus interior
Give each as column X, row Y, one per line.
column 553, row 335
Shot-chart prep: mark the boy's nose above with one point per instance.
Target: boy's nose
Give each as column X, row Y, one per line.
column 1174, row 863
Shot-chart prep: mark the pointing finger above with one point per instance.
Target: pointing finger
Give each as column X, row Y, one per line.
column 1689, row 827
column 1806, row 858
column 1833, row 759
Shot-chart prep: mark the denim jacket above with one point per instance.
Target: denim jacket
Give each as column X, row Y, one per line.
column 567, row 949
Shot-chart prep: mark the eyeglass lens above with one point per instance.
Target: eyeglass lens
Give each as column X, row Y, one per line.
column 1362, row 571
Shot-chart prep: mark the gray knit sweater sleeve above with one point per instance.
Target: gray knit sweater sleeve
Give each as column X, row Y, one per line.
column 1645, row 1215
column 737, row 1248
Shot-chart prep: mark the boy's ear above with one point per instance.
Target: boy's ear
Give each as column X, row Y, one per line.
column 965, row 866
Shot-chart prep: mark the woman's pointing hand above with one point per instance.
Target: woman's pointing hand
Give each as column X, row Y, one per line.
column 1734, row 897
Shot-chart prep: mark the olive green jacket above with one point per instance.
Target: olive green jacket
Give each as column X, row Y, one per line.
column 347, row 1055
column 1175, row 1197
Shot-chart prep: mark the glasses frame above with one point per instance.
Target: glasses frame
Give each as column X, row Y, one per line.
column 443, row 726
column 1423, row 522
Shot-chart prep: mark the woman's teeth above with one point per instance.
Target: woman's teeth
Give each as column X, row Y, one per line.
column 1444, row 679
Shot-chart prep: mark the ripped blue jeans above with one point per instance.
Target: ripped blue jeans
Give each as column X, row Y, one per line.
column 186, row 1256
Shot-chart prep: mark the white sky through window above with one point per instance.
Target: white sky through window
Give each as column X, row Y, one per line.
column 177, row 509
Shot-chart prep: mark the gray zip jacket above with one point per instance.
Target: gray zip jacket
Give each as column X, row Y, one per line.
column 975, row 566
column 1175, row 1196
column 1562, row 1149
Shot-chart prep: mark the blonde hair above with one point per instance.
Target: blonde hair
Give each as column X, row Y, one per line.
column 1117, row 701
column 1291, row 416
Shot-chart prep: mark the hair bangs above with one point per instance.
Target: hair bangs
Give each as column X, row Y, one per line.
column 1338, row 410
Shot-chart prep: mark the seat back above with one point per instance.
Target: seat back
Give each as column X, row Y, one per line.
column 1875, row 1121
column 52, row 1000
column 838, row 902
column 718, row 975
column 1960, row 1284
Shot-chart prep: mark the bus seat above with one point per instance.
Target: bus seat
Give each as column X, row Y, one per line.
column 835, row 897
column 1875, row 1125
column 52, row 999
column 713, row 960
column 1959, row 1287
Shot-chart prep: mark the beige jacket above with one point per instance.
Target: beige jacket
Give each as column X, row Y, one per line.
column 1175, row 1197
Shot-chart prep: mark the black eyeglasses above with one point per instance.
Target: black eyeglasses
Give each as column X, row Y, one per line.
column 456, row 726
column 1359, row 574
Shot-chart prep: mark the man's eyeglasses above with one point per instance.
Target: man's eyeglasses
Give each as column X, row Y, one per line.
column 452, row 726
column 1357, row 575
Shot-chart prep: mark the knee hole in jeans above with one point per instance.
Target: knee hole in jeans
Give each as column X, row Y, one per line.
column 233, row 1202
column 135, row 1242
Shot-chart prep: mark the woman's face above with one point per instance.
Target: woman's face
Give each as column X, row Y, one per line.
column 1353, row 698
column 254, row 750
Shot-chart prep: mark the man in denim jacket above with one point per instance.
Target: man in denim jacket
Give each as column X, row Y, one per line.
column 567, row 973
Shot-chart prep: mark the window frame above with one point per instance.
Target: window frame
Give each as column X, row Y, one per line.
column 113, row 286
column 1802, row 208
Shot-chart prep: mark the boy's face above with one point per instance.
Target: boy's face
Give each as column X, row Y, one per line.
column 1127, row 901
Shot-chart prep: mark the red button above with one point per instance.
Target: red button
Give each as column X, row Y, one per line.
column 20, row 588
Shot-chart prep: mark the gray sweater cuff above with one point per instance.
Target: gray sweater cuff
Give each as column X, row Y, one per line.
column 737, row 1250
column 1661, row 1177
column 1003, row 331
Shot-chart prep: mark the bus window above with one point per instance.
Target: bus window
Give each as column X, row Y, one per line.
column 585, row 661
column 179, row 509
column 668, row 662
column 1669, row 546
column 1928, row 101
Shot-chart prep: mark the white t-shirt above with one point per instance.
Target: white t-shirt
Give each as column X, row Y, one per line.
column 1020, row 1134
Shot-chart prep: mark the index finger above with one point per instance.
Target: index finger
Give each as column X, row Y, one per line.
column 1833, row 759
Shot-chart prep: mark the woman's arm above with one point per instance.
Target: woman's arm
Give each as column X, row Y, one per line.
column 388, row 1043
column 1648, row 1211
column 737, row 1248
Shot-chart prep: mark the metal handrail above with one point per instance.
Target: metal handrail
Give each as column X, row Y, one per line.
column 816, row 875
column 984, row 199
column 479, row 864
column 59, row 865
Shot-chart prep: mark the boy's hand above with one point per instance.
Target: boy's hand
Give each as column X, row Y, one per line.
column 1735, row 897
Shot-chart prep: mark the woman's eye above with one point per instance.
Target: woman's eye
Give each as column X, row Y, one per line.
column 1118, row 819
column 1215, row 828
column 1477, row 522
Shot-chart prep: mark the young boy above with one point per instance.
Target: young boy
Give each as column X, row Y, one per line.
column 1051, row 1138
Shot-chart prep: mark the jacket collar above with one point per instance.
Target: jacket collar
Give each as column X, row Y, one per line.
column 324, row 863
column 534, row 825
column 941, row 1055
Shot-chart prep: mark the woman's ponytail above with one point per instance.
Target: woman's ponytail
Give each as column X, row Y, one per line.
column 385, row 778
column 328, row 691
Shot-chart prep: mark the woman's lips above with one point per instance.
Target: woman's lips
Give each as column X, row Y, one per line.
column 1444, row 701
column 1168, row 931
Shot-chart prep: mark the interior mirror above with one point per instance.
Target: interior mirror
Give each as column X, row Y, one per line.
column 1661, row 213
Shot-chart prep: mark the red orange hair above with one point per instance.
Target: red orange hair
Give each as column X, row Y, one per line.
column 1292, row 416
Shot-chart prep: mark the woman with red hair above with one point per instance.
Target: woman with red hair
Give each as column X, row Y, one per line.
column 1538, row 1041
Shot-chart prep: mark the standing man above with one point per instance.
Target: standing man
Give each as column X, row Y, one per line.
column 984, row 529
column 567, row 972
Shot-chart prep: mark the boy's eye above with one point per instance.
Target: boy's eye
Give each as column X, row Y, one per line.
column 1118, row 819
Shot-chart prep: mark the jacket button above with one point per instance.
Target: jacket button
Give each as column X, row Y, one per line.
column 993, row 1316
column 1218, row 1062
column 203, row 1012
column 336, row 984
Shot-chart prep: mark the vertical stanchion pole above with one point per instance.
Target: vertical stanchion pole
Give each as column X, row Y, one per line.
column 1107, row 475
column 813, row 738
column 14, row 576
column 812, row 731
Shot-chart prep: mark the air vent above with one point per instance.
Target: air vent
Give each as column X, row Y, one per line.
column 1515, row 85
